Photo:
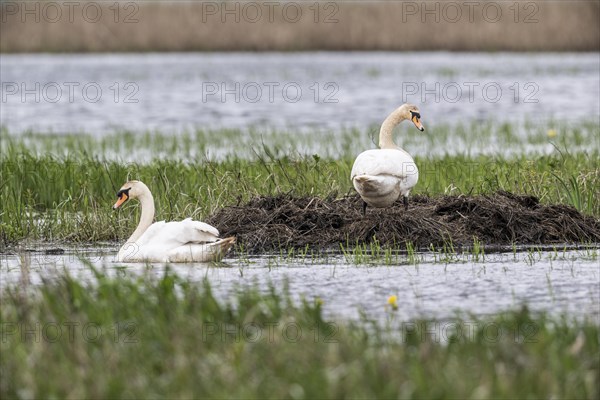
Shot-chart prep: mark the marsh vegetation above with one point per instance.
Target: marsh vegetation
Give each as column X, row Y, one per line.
column 62, row 186
column 167, row 336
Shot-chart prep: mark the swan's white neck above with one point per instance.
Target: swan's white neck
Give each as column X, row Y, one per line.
column 386, row 140
column 147, row 203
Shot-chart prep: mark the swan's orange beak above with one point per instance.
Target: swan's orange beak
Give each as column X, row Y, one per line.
column 418, row 123
column 122, row 199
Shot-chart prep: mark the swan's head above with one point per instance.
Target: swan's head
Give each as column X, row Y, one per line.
column 130, row 190
column 412, row 112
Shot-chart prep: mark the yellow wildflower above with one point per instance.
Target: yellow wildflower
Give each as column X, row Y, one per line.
column 551, row 133
column 392, row 301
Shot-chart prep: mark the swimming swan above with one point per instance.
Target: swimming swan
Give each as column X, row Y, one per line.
column 381, row 175
column 177, row 241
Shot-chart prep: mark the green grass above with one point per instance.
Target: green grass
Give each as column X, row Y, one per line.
column 49, row 194
column 70, row 198
column 145, row 336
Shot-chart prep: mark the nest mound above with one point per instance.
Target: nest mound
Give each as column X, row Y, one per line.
column 283, row 221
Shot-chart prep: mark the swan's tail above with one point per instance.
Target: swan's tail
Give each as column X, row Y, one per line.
column 225, row 244
column 365, row 184
column 201, row 252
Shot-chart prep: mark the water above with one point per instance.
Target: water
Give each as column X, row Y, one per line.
column 105, row 93
column 563, row 282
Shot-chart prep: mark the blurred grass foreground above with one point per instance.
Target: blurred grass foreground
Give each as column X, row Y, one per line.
column 88, row 26
column 151, row 336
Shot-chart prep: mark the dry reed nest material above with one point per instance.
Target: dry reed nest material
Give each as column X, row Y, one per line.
column 271, row 223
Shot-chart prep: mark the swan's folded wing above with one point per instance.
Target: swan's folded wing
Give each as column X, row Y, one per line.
column 169, row 235
column 384, row 162
column 200, row 232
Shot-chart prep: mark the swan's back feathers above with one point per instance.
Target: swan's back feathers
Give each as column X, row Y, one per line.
column 389, row 162
column 381, row 176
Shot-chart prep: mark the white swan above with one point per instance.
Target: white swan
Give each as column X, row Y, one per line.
column 381, row 175
column 177, row 241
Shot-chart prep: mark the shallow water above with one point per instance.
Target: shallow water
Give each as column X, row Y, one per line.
column 172, row 92
column 562, row 282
